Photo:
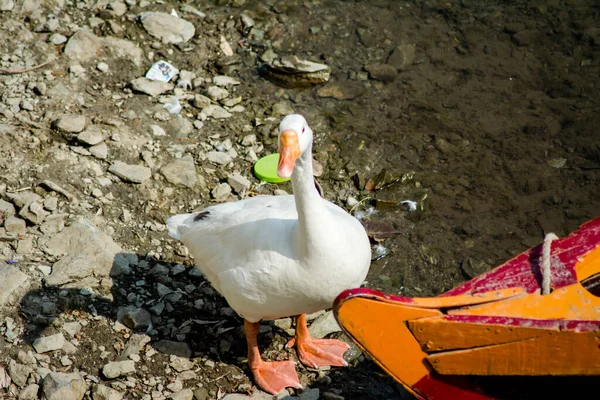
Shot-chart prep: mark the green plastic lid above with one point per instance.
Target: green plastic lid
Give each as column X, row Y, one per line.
column 265, row 169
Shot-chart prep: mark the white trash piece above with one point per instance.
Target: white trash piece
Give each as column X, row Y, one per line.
column 173, row 106
column 161, row 71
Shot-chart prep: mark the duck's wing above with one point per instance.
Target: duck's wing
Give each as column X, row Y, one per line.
column 237, row 233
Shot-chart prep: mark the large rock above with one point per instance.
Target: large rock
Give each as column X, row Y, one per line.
column 181, row 171
column 85, row 46
column 87, row 248
column 167, row 27
column 12, row 281
column 62, row 386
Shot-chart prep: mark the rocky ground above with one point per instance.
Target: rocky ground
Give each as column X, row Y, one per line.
column 485, row 116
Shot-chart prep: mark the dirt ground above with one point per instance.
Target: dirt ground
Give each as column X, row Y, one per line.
column 491, row 111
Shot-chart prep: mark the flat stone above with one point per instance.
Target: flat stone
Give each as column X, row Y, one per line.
column 91, row 136
column 6, row 210
column 180, row 349
column 381, row 72
column 45, row 344
column 62, row 386
column 14, row 225
column 239, row 183
column 185, row 394
column 82, row 237
column 181, row 364
column 216, row 93
column 29, row 392
column 12, row 281
column 34, row 212
column 7, row 5
column 218, row 157
column 72, row 328
column 181, row 171
column 215, row 111
column 83, row 46
column 201, row 101
column 135, row 344
column 99, row 151
column 150, row 87
column 347, row 91
column 223, row 80
column 53, row 223
column 19, row 373
column 115, row 369
column 309, row 394
column 124, row 49
column 167, row 27
column 157, row 130
column 323, row 326
column 130, row 173
column 102, row 392
column 70, row 123
column 403, row 56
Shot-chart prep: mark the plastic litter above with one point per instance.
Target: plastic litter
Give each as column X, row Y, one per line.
column 265, row 169
column 412, row 205
column 161, row 71
column 173, row 106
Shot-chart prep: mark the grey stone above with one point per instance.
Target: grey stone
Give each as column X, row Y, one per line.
column 223, row 80
column 239, row 183
column 130, row 173
column 102, row 392
column 181, row 364
column 166, row 27
column 30, row 392
column 72, row 328
column 215, row 111
column 185, row 394
column 70, row 123
column 249, row 140
column 6, row 210
column 7, row 5
column 133, row 317
column 12, row 281
column 402, row 56
column 323, row 326
column 309, row 394
column 49, row 343
column 82, row 237
column 99, row 151
column 216, row 93
column 201, row 101
column 91, row 136
column 62, row 386
column 381, row 72
column 218, row 157
column 22, row 199
column 150, row 87
column 157, row 130
column 180, row 349
column 83, row 46
column 15, row 225
column 34, row 213
column 70, row 268
column 181, row 171
column 122, row 48
column 221, row 192
column 19, row 373
column 115, row 369
column 53, row 223
column 135, row 343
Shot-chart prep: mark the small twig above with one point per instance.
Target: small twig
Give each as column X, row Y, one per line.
column 24, row 70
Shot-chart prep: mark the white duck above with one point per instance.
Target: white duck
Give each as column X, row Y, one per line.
column 279, row 256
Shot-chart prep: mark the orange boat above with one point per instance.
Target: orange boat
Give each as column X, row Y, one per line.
column 535, row 315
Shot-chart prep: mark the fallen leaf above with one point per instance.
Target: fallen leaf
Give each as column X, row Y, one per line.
column 379, row 230
column 381, row 180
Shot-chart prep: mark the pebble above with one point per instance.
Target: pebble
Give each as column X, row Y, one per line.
column 181, row 364
column 185, row 394
column 323, row 326
column 102, row 392
column 90, row 136
column 181, row 171
column 49, row 343
column 15, row 225
column 215, row 111
column 381, row 72
column 130, row 173
column 403, row 56
column 63, row 386
column 7, row 5
column 157, row 130
column 222, row 80
column 180, row 349
column 133, row 317
column 99, row 151
column 70, row 123
column 19, row 373
column 201, row 101
column 115, row 369
column 166, row 27
column 239, row 183
column 216, row 93
column 218, row 157
column 29, row 392
column 102, row 67
column 221, row 192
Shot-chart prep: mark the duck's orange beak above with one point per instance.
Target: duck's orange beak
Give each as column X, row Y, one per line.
column 289, row 151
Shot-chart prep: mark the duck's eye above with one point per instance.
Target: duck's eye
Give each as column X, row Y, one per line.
column 303, row 129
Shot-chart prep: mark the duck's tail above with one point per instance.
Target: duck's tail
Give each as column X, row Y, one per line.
column 178, row 225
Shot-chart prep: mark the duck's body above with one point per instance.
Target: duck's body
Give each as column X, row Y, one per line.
column 279, row 256
column 254, row 253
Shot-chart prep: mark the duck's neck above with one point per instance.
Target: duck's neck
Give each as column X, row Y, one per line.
column 309, row 204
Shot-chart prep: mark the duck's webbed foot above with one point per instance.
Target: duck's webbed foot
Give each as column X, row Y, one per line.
column 317, row 353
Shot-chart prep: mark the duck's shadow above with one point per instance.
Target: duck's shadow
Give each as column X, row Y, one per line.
column 171, row 305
